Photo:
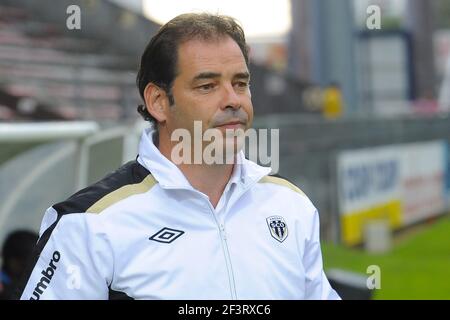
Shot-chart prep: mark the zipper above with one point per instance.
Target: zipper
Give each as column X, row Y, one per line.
column 223, row 242
column 226, row 252
column 223, row 236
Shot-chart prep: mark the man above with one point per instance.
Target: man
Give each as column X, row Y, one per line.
column 159, row 230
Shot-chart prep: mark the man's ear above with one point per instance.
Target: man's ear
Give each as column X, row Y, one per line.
column 156, row 102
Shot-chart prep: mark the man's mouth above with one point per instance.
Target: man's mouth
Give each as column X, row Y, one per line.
column 232, row 125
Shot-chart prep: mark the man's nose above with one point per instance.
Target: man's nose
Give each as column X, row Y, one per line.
column 230, row 98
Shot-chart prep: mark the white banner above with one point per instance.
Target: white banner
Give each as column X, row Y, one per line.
column 414, row 174
column 423, row 180
column 368, row 177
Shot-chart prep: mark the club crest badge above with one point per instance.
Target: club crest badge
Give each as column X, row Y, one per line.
column 278, row 227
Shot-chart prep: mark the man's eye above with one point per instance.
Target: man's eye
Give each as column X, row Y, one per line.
column 207, row 86
column 242, row 84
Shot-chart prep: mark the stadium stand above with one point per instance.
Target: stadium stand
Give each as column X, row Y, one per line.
column 89, row 74
column 45, row 74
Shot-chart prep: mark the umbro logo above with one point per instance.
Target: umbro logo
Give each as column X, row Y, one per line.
column 166, row 235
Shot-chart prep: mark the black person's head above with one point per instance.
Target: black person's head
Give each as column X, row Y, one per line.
column 16, row 251
column 159, row 60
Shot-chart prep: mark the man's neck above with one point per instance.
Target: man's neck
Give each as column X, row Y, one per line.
column 208, row 179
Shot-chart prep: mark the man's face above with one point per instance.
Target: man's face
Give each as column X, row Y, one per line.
column 212, row 86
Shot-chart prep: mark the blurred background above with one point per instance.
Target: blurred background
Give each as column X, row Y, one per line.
column 359, row 89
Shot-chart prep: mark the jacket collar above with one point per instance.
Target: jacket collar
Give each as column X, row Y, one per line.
column 170, row 176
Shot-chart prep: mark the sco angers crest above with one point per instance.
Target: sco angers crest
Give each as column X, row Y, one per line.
column 278, row 227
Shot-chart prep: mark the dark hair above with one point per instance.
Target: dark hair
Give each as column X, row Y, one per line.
column 159, row 60
column 19, row 244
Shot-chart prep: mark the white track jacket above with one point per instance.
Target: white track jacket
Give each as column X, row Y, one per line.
column 143, row 232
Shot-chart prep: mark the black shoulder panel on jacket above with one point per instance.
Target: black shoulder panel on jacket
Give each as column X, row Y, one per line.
column 130, row 173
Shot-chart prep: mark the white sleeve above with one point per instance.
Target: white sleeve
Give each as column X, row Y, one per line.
column 73, row 261
column 317, row 285
column 50, row 217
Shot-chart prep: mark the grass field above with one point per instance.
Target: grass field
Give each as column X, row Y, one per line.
column 418, row 266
